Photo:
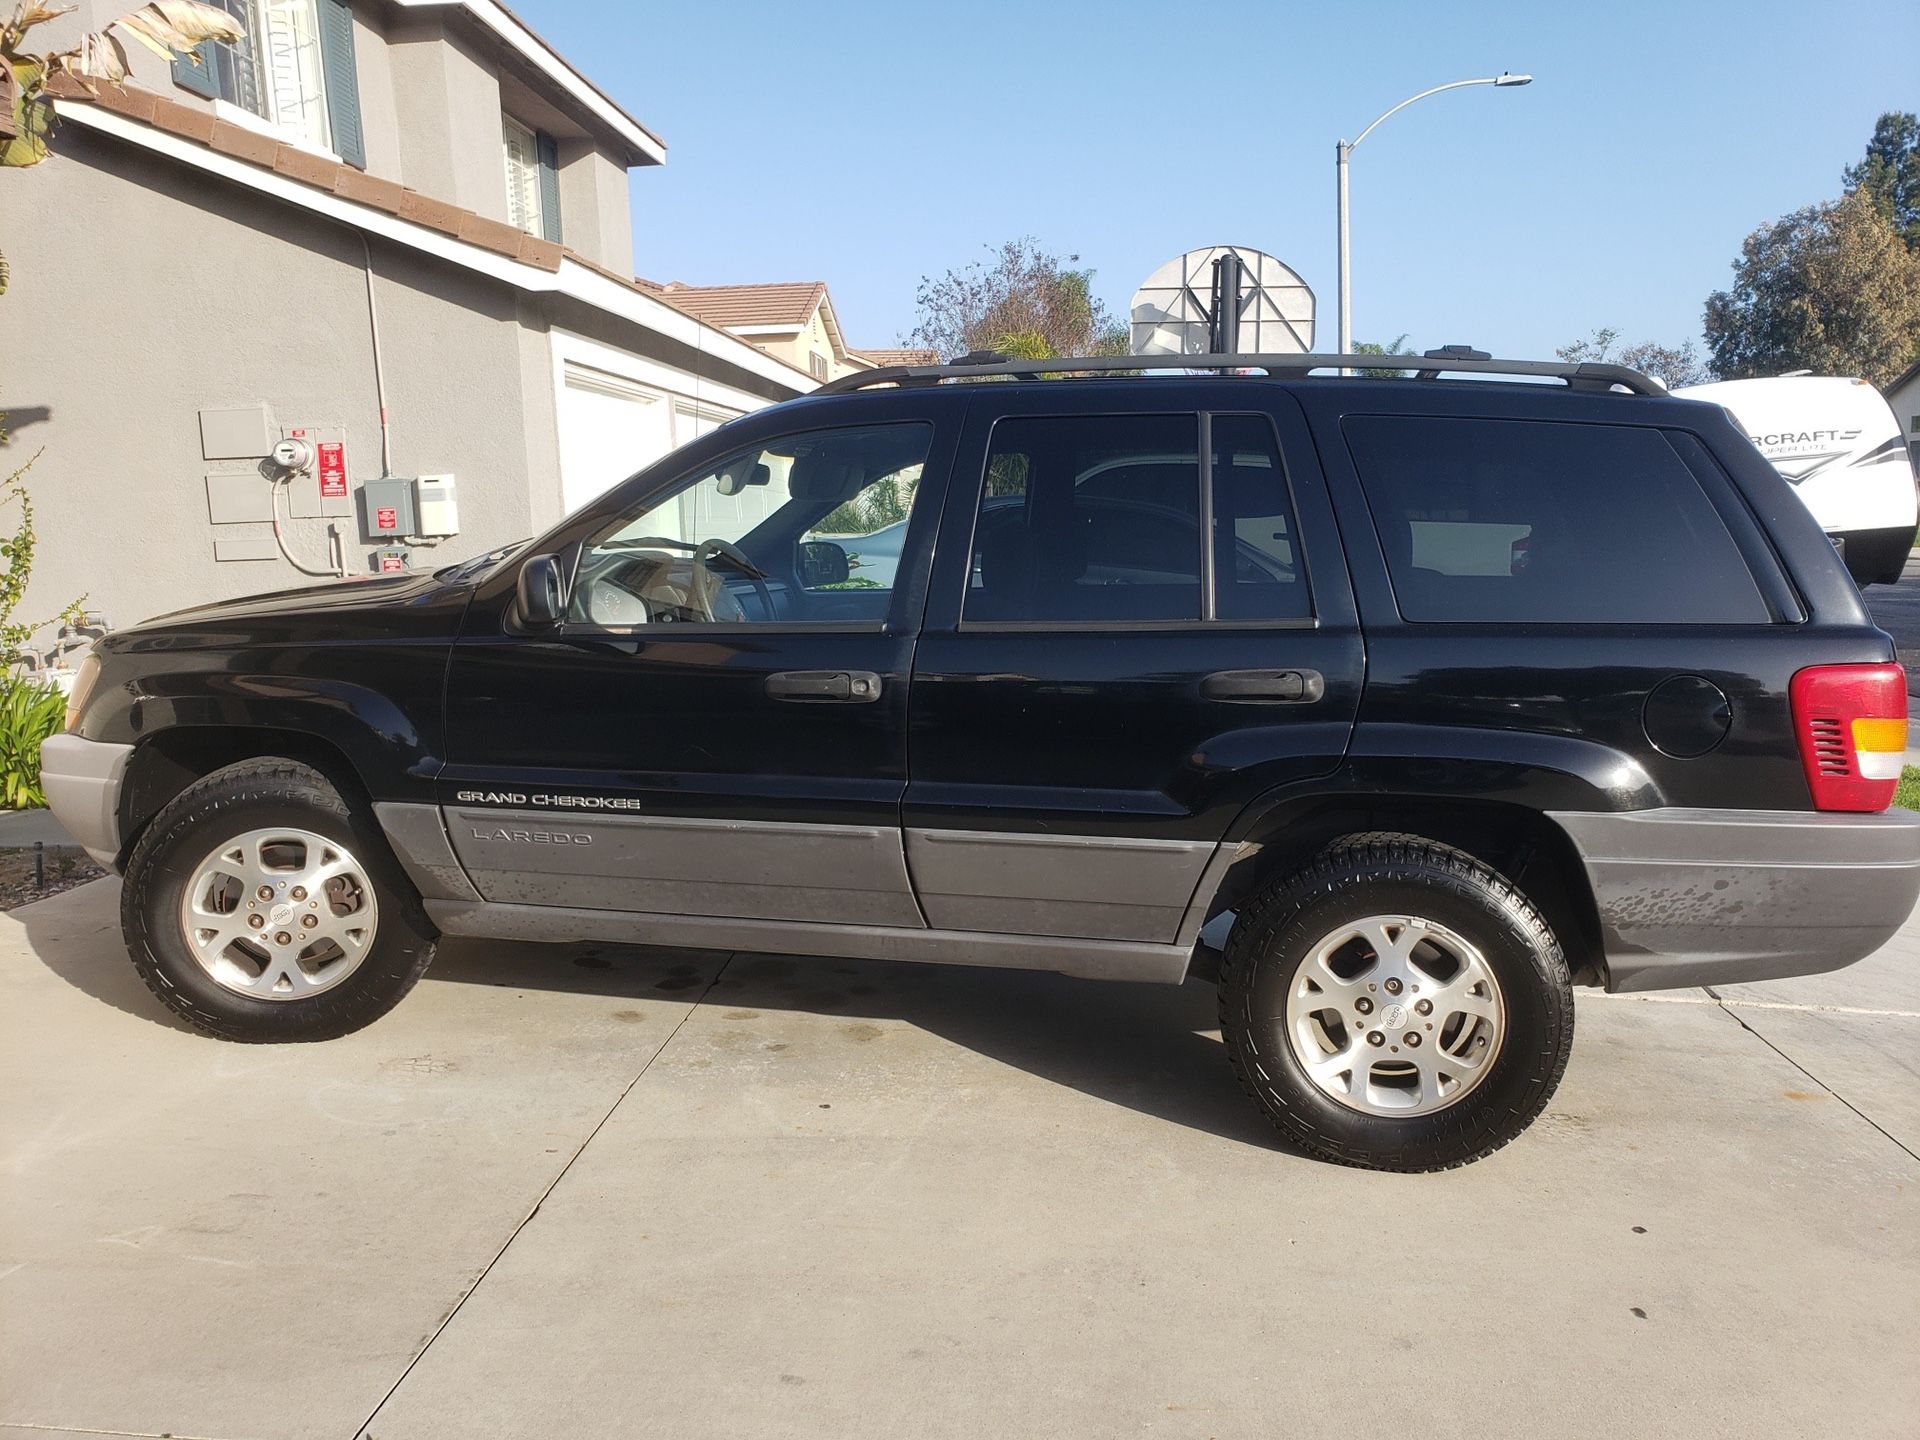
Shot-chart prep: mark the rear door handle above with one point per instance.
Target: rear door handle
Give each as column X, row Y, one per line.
column 1264, row 687
column 853, row 687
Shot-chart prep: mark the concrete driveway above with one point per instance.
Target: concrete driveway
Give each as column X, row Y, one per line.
column 590, row 1192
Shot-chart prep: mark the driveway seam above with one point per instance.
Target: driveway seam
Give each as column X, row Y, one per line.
column 1728, row 1010
column 361, row 1431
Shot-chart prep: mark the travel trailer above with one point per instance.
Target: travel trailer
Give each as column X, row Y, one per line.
column 1837, row 443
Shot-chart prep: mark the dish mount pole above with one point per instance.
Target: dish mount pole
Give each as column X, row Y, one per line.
column 1229, row 277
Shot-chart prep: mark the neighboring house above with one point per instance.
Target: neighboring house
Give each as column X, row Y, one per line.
column 902, row 355
column 410, row 210
column 792, row 320
column 1904, row 396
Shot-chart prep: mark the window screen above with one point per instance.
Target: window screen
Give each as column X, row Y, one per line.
column 1257, row 569
column 1514, row 520
column 1089, row 518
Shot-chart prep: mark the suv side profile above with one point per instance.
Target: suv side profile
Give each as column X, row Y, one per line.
column 1438, row 696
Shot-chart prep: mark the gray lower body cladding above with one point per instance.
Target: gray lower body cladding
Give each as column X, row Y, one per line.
column 82, row 781
column 1699, row 897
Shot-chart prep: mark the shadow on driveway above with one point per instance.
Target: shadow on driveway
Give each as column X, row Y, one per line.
column 1149, row 1048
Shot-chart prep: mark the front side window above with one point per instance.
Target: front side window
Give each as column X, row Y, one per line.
column 1516, row 520
column 807, row 529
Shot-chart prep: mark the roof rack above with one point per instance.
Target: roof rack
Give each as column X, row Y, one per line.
column 1452, row 359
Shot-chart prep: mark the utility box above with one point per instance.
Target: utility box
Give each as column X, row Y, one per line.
column 241, row 432
column 439, row 508
column 387, row 509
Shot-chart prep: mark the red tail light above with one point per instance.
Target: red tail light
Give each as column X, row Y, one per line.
column 1852, row 724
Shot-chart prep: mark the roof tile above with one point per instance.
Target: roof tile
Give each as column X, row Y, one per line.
column 242, row 143
column 780, row 303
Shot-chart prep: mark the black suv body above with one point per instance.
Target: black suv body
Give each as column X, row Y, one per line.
column 1453, row 691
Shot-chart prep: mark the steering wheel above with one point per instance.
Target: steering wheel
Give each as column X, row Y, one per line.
column 706, row 550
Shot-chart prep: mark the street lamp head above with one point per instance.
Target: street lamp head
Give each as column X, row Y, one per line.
column 1505, row 78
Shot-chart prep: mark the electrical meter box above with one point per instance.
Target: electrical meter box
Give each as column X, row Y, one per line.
column 439, row 509
column 388, row 509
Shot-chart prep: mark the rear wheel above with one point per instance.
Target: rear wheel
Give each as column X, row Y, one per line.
column 1396, row 1005
column 259, row 907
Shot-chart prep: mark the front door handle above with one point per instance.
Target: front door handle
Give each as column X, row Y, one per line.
column 854, row 687
column 1264, row 687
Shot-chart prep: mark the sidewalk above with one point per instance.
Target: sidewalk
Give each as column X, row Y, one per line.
column 20, row 828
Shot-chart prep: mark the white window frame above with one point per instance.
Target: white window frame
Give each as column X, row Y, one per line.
column 289, row 75
column 523, row 185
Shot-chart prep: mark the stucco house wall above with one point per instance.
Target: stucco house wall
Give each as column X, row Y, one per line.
column 132, row 352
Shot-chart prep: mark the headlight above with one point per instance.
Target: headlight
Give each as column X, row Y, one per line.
column 83, row 679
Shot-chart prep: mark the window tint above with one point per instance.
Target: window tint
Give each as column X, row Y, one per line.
column 1257, row 569
column 1089, row 518
column 1513, row 520
column 804, row 529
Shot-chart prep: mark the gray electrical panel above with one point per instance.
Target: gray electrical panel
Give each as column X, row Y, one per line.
column 387, row 511
column 239, row 496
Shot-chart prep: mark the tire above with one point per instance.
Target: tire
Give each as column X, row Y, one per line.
column 1498, row 1028
column 276, row 822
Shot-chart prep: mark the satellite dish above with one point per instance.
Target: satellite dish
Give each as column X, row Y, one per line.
column 1267, row 308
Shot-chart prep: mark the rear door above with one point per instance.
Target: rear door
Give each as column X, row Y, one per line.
column 1139, row 619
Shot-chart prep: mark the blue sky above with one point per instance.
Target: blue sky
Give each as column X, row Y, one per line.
column 868, row 144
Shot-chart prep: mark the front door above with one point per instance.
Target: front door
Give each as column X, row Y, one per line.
column 717, row 728
column 1140, row 619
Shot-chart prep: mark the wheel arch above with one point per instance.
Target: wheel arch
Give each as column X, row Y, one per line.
column 166, row 763
column 1524, row 846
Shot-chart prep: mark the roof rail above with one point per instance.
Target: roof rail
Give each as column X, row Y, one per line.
column 1587, row 375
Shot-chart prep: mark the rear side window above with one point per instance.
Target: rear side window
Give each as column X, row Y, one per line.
column 1517, row 520
column 1089, row 518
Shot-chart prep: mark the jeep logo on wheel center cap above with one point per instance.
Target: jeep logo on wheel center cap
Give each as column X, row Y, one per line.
column 1391, row 1016
column 282, row 914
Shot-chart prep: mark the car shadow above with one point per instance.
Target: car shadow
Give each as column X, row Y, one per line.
column 1153, row 1049
column 76, row 935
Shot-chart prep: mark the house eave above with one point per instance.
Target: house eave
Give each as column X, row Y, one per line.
column 570, row 276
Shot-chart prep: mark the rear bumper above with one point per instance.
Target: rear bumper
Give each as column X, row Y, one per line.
column 82, row 780
column 1700, row 897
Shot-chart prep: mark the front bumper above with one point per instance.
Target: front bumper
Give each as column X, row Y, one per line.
column 82, row 780
column 1704, row 897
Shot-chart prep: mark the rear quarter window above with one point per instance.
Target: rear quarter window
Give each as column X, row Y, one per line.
column 1534, row 521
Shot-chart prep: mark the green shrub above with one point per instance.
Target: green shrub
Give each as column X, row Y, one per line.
column 29, row 713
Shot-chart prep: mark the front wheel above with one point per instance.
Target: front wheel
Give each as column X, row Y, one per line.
column 258, row 906
column 1396, row 1005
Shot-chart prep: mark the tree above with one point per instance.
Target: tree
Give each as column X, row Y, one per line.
column 1023, row 301
column 166, row 27
column 1831, row 288
column 1398, row 346
column 1676, row 366
column 1890, row 173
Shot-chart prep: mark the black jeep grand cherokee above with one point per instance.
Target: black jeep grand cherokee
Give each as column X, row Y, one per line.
column 1455, row 692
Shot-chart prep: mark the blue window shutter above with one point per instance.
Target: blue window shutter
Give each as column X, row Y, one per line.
column 202, row 79
column 549, row 186
column 342, row 80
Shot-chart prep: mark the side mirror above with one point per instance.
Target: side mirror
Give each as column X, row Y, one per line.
column 820, row 563
column 542, row 593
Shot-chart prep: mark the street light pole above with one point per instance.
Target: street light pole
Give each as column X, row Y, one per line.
column 1343, row 151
